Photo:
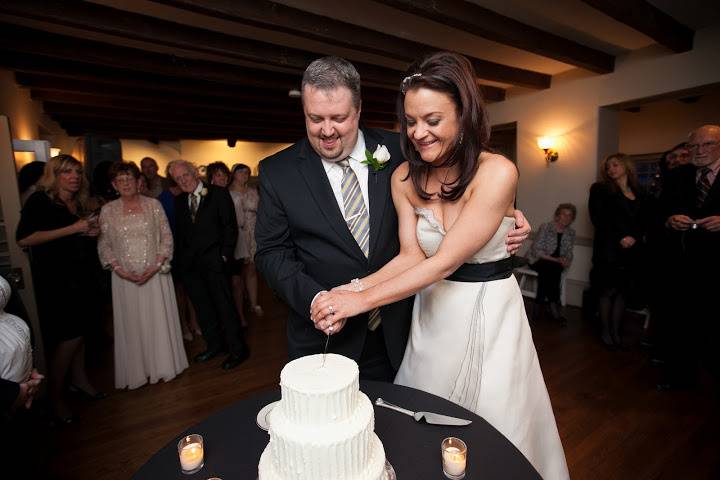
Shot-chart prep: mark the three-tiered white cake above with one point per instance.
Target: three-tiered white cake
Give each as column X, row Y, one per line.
column 323, row 428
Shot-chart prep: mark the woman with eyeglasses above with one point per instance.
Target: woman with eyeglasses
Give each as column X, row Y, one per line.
column 136, row 244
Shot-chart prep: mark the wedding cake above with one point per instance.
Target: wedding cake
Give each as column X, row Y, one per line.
column 323, row 428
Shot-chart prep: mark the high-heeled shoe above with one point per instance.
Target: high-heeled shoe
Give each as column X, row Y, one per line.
column 97, row 396
column 257, row 309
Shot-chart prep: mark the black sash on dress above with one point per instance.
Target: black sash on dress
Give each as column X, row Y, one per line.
column 483, row 272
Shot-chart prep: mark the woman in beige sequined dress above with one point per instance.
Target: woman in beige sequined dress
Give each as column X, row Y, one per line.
column 136, row 242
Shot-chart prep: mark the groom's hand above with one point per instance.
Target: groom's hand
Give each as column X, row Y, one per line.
column 519, row 234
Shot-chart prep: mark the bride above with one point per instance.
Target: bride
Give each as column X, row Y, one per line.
column 470, row 341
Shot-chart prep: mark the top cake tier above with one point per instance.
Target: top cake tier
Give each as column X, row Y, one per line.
column 315, row 394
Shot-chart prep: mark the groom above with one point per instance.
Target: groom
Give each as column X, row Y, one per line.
column 323, row 221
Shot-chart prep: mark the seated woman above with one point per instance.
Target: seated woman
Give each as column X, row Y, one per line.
column 136, row 243
column 550, row 254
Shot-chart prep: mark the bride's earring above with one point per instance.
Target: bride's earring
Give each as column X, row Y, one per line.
column 461, row 139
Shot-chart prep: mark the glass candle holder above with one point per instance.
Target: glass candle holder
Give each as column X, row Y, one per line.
column 192, row 453
column 454, row 458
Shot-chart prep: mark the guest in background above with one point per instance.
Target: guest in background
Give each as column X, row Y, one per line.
column 616, row 210
column 59, row 231
column 206, row 233
column 16, row 361
column 28, row 176
column 188, row 320
column 219, row 175
column 692, row 202
column 155, row 182
column 550, row 254
column 136, row 244
column 249, row 199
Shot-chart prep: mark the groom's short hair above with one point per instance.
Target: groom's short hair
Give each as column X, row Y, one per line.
column 329, row 73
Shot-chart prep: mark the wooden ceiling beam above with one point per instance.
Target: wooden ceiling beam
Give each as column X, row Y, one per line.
column 648, row 19
column 124, row 24
column 201, row 116
column 76, row 92
column 165, row 122
column 490, row 25
column 278, row 17
column 46, row 71
column 36, row 42
column 277, row 137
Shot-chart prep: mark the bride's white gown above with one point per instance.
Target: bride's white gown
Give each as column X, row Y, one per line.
column 471, row 343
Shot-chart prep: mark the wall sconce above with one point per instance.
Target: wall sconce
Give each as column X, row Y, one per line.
column 54, row 152
column 547, row 144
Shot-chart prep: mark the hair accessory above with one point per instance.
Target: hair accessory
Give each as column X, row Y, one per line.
column 406, row 82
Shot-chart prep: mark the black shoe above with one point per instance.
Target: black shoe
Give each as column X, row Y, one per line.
column 235, row 359
column 96, row 396
column 207, row 355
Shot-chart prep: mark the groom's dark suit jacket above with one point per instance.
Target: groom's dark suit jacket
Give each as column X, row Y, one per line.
column 304, row 245
column 201, row 245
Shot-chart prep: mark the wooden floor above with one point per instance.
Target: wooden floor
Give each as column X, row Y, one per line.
column 613, row 423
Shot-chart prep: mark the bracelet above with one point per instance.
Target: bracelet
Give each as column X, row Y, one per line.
column 357, row 284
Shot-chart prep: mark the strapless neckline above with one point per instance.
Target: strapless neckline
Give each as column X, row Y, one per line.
column 429, row 215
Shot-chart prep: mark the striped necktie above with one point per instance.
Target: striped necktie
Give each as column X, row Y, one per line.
column 357, row 220
column 193, row 206
column 703, row 186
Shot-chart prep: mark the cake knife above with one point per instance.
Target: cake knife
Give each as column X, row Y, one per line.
column 429, row 417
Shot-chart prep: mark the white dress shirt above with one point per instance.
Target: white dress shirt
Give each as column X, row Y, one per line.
column 195, row 192
column 335, row 173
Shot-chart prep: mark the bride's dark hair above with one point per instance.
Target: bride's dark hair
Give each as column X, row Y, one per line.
column 452, row 74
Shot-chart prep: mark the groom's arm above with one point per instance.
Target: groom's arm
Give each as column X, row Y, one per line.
column 276, row 256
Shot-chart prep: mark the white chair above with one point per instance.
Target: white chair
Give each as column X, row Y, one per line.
column 528, row 281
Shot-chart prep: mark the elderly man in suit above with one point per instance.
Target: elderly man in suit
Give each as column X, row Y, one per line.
column 692, row 202
column 325, row 217
column 205, row 235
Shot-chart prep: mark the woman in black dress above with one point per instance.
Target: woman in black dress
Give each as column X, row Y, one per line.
column 617, row 212
column 59, row 230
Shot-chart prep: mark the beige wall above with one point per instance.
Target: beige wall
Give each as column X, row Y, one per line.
column 27, row 121
column 571, row 110
column 163, row 152
column 203, row 152
column 200, row 152
column 659, row 126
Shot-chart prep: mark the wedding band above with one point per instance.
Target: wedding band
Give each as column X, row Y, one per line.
column 331, row 309
column 330, row 328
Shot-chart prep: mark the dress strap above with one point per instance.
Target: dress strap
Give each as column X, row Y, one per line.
column 483, row 272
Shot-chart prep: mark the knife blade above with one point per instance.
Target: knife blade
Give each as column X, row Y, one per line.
column 437, row 419
column 428, row 417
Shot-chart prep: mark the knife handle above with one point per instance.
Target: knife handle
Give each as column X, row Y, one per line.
column 382, row 403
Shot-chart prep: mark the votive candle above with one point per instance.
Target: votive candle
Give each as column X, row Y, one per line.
column 454, row 458
column 191, row 452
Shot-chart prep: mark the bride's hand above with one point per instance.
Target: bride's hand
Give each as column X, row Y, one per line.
column 339, row 304
column 348, row 287
column 519, row 234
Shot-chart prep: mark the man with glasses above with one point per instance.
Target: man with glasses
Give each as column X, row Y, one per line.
column 692, row 203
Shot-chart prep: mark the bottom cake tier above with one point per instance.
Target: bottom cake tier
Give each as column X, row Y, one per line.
column 375, row 469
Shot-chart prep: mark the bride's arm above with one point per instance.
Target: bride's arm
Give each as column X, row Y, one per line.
column 410, row 253
column 490, row 198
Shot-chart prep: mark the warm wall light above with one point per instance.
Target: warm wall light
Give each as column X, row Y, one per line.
column 547, row 144
column 54, row 152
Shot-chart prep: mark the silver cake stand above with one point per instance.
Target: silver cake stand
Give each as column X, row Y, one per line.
column 389, row 472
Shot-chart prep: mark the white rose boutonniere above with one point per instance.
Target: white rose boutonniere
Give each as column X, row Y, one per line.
column 379, row 159
column 203, row 192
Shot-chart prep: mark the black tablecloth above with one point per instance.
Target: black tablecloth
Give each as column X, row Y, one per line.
column 233, row 442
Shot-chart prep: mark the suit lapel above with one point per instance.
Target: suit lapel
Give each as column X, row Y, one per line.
column 204, row 199
column 311, row 168
column 378, row 187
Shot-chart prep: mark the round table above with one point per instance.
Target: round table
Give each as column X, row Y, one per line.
column 233, row 441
